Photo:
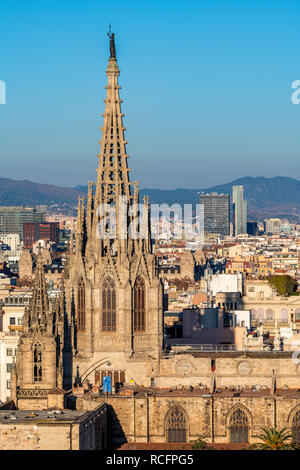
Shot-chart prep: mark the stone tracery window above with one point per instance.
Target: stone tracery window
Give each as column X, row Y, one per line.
column 176, row 425
column 37, row 363
column 81, row 304
column 108, row 305
column 296, row 428
column 238, row 426
column 139, row 304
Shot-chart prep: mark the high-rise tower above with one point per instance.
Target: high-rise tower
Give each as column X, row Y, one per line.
column 113, row 291
column 216, row 213
column 239, row 210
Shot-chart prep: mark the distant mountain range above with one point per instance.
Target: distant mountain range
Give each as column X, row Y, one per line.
column 266, row 197
column 15, row 193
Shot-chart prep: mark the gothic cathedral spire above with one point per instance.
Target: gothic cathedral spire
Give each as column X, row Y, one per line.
column 113, row 291
column 113, row 171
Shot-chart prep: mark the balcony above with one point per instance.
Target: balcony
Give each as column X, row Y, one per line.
column 266, row 323
column 15, row 327
column 205, row 347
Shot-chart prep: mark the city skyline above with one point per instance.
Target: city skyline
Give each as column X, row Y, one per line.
column 139, row 325
column 236, row 110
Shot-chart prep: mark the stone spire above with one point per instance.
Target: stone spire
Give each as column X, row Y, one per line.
column 146, row 227
column 89, row 209
column 113, row 262
column 81, row 227
column 113, row 178
column 35, row 318
column 40, row 355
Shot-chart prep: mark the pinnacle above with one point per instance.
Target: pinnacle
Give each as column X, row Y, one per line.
column 113, row 178
column 112, row 66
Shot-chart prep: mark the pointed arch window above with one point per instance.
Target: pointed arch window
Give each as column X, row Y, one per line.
column 139, row 304
column 176, row 425
column 108, row 305
column 239, row 426
column 37, row 363
column 296, row 428
column 81, row 304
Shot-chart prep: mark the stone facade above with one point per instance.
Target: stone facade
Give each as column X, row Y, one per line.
column 191, row 267
column 144, row 418
column 40, row 430
column 25, row 266
column 269, row 308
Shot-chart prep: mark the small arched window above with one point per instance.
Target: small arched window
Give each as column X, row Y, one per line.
column 116, row 379
column 261, row 315
column 122, row 376
column 238, row 426
column 139, row 304
column 176, row 425
column 270, row 314
column 81, row 304
column 284, row 316
column 297, row 314
column 253, row 314
column 108, row 305
column 37, row 363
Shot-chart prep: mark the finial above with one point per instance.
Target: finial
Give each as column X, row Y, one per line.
column 112, row 43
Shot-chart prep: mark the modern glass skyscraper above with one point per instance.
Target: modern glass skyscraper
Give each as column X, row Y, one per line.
column 12, row 218
column 239, row 210
column 216, row 213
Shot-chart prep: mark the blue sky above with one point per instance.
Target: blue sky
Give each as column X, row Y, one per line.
column 206, row 89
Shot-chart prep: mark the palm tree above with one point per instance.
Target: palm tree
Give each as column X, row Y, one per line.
column 274, row 439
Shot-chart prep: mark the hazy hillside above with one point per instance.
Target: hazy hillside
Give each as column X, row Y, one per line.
column 28, row 193
column 279, row 196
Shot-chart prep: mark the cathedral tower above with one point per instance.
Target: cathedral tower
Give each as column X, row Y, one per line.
column 113, row 290
column 37, row 375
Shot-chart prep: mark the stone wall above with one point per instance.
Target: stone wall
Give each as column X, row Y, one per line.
column 86, row 431
column 143, row 419
column 194, row 368
column 38, row 437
